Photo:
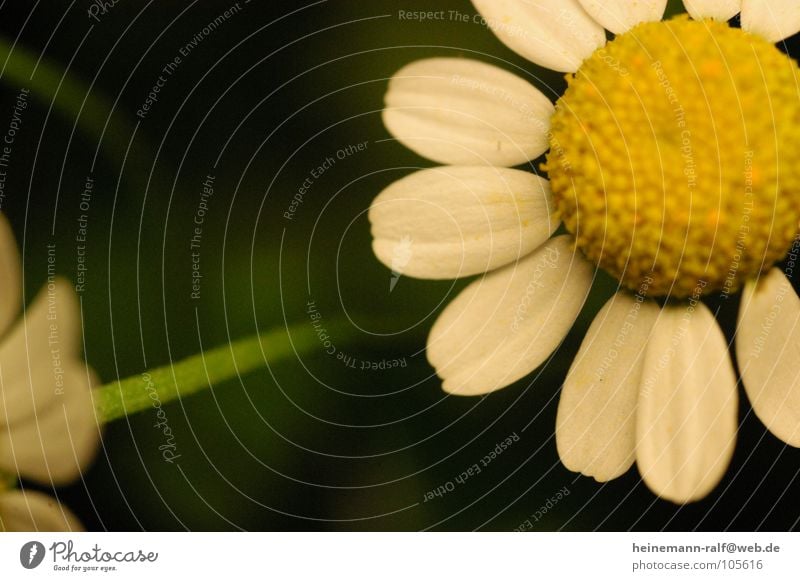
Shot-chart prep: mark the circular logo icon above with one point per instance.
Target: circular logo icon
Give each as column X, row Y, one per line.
column 31, row 554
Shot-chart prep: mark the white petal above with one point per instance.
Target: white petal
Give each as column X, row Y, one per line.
column 619, row 16
column 686, row 419
column 454, row 221
column 504, row 325
column 557, row 34
column 48, row 430
column 57, row 444
column 465, row 112
column 49, row 332
column 596, row 424
column 35, row 512
column 717, row 9
column 772, row 19
column 10, row 280
column 767, row 347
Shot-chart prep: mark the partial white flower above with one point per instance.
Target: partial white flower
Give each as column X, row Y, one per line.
column 48, row 429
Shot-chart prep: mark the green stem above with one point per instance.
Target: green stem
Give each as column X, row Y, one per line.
column 69, row 96
column 202, row 371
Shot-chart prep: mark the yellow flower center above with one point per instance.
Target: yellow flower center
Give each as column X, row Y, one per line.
column 675, row 157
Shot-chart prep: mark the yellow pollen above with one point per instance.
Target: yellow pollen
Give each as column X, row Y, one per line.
column 675, row 157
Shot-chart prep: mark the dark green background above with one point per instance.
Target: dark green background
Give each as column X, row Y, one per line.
column 309, row 443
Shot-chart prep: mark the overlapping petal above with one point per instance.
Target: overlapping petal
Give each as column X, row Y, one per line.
column 772, row 19
column 716, row 9
column 504, row 325
column 556, row 34
column 619, row 16
column 596, row 424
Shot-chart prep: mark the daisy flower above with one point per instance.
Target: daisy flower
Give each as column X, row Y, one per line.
column 48, row 431
column 672, row 165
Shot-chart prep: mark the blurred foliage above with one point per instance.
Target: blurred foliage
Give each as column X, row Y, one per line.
column 312, row 443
